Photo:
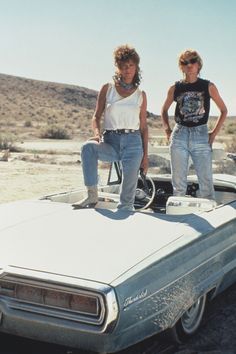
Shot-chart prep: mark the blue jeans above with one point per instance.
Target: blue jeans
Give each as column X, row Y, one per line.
column 186, row 142
column 126, row 148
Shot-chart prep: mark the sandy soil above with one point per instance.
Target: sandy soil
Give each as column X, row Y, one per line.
column 26, row 180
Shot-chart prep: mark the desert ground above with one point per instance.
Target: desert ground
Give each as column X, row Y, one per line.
column 42, row 168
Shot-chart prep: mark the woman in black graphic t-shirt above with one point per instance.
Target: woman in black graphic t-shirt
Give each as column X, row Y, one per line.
column 190, row 136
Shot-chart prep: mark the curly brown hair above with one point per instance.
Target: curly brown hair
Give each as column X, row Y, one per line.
column 123, row 54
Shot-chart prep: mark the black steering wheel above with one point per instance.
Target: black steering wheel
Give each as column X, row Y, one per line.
column 145, row 192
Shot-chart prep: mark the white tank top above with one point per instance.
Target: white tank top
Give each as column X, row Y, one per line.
column 122, row 112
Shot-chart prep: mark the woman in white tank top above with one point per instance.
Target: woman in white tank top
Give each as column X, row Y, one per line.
column 125, row 138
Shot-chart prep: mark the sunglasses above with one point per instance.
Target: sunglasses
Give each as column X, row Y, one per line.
column 190, row 61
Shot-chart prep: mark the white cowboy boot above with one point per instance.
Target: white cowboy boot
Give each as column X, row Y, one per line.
column 90, row 201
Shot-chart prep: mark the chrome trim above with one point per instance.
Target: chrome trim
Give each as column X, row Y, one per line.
column 104, row 293
column 55, row 311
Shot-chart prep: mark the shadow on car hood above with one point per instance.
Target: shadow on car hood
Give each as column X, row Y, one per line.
column 98, row 245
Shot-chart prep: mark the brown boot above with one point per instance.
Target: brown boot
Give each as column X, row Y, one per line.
column 90, row 201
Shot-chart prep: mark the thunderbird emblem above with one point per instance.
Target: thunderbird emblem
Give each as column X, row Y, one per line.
column 131, row 299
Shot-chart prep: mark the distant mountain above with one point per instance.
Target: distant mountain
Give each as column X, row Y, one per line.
column 27, row 106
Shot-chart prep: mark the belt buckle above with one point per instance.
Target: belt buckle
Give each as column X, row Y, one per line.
column 123, row 131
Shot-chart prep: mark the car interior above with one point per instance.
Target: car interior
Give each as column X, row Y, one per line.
column 154, row 192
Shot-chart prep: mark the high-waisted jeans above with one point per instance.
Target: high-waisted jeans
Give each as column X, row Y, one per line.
column 186, row 142
column 126, row 148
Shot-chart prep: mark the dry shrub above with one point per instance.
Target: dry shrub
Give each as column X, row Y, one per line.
column 7, row 142
column 28, row 123
column 230, row 128
column 55, row 132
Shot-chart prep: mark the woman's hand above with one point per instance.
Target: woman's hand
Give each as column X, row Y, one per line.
column 144, row 164
column 211, row 138
column 168, row 132
column 96, row 138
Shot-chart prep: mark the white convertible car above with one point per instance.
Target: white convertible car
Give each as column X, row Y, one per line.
column 103, row 280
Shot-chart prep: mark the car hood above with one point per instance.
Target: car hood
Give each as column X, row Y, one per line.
column 98, row 245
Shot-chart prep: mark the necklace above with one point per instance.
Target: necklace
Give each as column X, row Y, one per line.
column 125, row 85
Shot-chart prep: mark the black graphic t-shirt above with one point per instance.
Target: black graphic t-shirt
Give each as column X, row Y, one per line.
column 192, row 102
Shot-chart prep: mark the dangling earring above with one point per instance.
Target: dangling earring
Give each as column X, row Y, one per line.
column 116, row 77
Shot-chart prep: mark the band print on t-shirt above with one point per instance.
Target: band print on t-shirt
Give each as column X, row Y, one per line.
column 191, row 106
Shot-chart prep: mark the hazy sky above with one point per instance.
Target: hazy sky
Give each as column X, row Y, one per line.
column 72, row 41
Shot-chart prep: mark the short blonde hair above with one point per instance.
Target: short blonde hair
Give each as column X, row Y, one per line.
column 190, row 54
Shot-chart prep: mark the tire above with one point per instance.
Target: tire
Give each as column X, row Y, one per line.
column 189, row 322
